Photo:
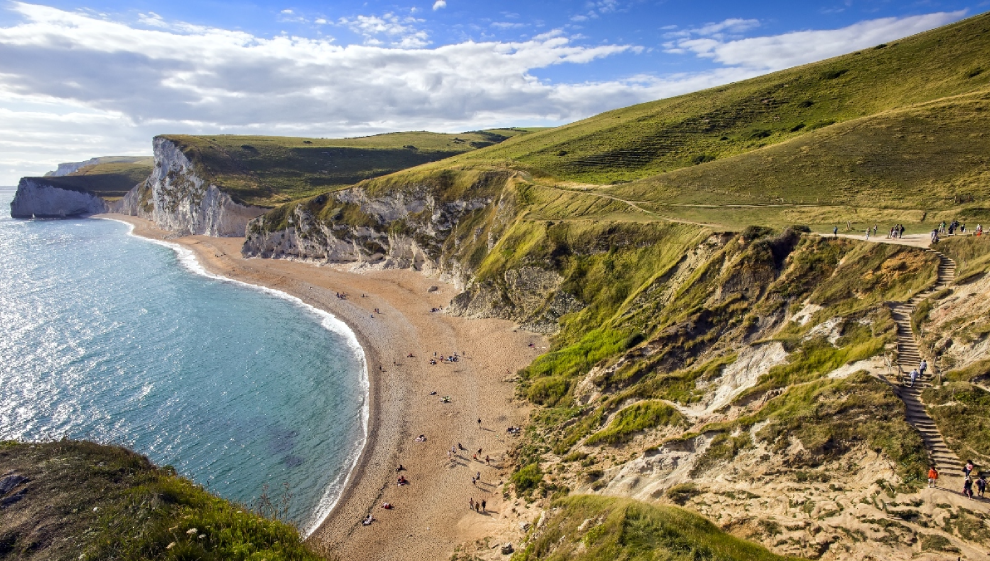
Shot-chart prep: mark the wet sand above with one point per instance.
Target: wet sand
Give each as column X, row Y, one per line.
column 431, row 515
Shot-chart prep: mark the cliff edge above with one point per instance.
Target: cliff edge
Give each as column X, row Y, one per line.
column 176, row 197
column 38, row 198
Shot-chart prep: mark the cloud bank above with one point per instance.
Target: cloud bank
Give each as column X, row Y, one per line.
column 75, row 85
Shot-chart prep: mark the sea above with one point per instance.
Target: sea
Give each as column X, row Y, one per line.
column 110, row 337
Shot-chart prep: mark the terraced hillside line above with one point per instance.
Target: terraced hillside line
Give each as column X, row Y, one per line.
column 909, row 358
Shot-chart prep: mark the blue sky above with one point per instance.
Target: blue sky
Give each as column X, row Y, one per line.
column 82, row 79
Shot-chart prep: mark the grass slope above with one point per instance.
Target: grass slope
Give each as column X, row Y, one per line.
column 922, row 163
column 652, row 138
column 592, row 528
column 269, row 170
column 110, row 180
column 80, row 500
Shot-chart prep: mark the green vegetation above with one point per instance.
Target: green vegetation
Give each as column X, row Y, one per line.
column 830, row 417
column 635, row 418
column 82, row 500
column 962, row 412
column 271, row 170
column 971, row 254
column 592, row 528
column 109, row 180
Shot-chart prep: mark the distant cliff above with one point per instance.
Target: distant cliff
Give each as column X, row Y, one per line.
column 38, row 198
column 176, row 197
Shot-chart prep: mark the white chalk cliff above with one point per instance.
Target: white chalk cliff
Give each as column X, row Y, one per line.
column 36, row 198
column 177, row 199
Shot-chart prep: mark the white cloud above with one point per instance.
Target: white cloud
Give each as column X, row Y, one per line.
column 400, row 32
column 439, row 4
column 800, row 47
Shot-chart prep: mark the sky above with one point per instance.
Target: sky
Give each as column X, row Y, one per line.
column 80, row 79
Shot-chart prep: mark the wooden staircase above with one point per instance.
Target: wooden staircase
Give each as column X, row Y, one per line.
column 908, row 358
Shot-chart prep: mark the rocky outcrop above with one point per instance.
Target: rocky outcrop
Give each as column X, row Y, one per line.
column 176, row 198
column 36, row 198
column 408, row 229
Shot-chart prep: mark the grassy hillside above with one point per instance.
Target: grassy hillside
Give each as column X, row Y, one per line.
column 110, row 180
column 926, row 162
column 652, row 138
column 623, row 530
column 79, row 500
column 268, row 170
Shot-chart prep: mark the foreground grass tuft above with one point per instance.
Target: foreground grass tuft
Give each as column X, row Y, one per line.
column 81, row 500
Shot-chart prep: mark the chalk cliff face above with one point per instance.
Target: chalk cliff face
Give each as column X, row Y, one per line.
column 178, row 199
column 36, row 198
column 405, row 229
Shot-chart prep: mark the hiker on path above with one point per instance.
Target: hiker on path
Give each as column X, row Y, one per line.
column 914, row 377
column 981, row 485
column 968, row 487
column 867, row 234
column 835, row 232
column 968, row 469
column 922, row 367
column 932, row 477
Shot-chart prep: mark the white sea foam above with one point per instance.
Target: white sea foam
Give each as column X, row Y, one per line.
column 331, row 495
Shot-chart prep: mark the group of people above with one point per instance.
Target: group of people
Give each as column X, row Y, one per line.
column 896, row 232
column 450, row 358
column 478, row 506
column 969, row 480
column 919, row 371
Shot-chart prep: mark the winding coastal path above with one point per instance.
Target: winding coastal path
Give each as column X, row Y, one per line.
column 908, row 358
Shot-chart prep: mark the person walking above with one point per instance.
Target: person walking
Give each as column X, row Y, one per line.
column 914, row 377
column 968, row 487
column 922, row 368
column 981, row 485
column 835, row 232
column 932, row 477
column 484, row 504
column 968, row 468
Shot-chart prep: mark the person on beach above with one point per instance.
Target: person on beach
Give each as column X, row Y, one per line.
column 487, row 460
column 484, row 504
column 471, row 503
column 400, row 468
column 932, row 477
column 367, row 521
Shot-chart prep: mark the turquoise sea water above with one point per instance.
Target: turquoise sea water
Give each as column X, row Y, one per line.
column 113, row 338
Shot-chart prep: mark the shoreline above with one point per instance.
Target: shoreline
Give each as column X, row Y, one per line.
column 429, row 519
column 188, row 258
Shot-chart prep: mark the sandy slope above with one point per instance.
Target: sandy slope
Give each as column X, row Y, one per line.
column 431, row 515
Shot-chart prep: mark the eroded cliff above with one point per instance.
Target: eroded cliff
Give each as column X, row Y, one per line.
column 38, row 198
column 178, row 198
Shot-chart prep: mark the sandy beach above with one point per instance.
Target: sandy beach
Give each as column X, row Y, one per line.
column 430, row 515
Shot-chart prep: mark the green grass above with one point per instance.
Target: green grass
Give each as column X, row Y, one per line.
column 110, row 180
column 830, row 417
column 971, row 253
column 916, row 166
column 271, row 170
column 89, row 501
column 636, row 418
column 592, row 528
column 962, row 413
